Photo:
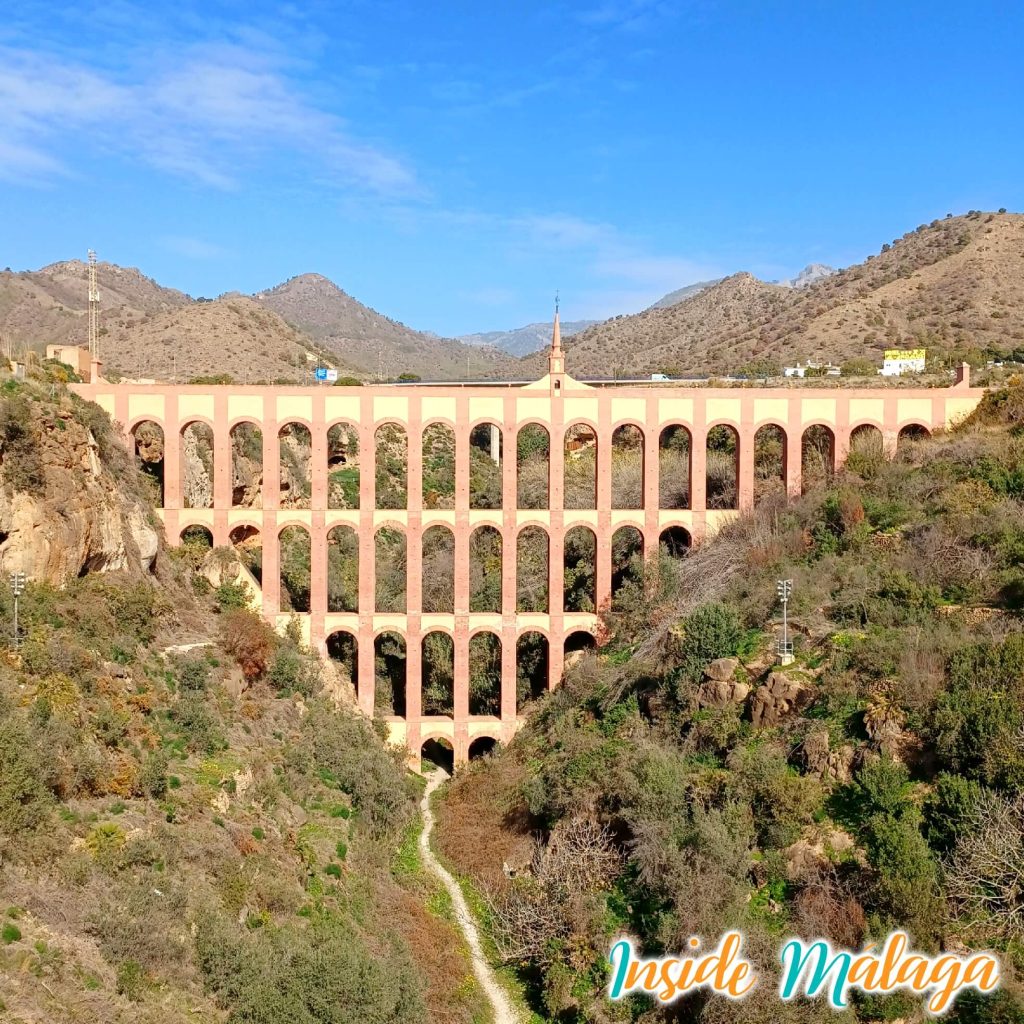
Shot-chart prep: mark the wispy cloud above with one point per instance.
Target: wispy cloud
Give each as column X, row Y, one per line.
column 211, row 115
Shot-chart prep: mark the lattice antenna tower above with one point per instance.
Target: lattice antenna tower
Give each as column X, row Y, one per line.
column 94, row 310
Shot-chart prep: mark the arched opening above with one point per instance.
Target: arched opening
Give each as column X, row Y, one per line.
column 148, row 438
column 533, row 445
column 531, row 668
column 342, row 570
column 392, row 480
column 389, row 570
column 577, row 646
column 485, row 570
column 438, row 573
column 867, row 451
column 723, row 467
column 580, row 472
column 437, row 753
column 482, row 746
column 818, row 456
column 248, row 547
column 628, row 467
column 769, row 462
column 389, row 675
column 294, row 568
column 343, row 652
column 674, row 467
column 485, row 462
column 246, row 466
column 675, row 542
column 580, row 587
column 438, row 466
column 197, row 537
column 909, row 438
column 343, row 466
column 627, row 560
column 295, row 453
column 485, row 674
column 532, row 573
column 197, row 465
column 438, row 669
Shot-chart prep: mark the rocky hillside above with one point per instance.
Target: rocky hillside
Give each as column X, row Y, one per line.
column 233, row 335
column 39, row 307
column 194, row 826
column 954, row 286
column 371, row 342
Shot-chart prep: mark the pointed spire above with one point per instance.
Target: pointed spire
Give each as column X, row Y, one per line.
column 556, row 361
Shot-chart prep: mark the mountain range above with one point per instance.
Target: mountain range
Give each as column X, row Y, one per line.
column 952, row 285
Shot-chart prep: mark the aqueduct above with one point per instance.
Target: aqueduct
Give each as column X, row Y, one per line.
column 667, row 507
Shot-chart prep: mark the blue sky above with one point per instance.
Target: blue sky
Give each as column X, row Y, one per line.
column 452, row 164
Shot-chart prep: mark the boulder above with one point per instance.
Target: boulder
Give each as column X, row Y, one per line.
column 714, row 694
column 821, row 760
column 722, row 669
column 777, row 698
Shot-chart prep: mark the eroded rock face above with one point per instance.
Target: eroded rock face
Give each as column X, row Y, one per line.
column 827, row 763
column 78, row 519
column 779, row 697
column 722, row 669
column 712, row 694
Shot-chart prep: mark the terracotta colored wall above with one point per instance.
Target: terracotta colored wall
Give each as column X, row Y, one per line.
column 554, row 402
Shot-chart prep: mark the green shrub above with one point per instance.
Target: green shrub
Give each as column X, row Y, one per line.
column 10, row 933
column 131, row 980
column 25, row 801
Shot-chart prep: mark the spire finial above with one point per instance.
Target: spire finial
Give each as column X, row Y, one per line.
column 556, row 332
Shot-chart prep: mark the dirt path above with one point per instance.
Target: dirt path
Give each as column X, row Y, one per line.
column 503, row 1010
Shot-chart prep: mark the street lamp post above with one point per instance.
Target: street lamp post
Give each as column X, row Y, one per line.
column 17, row 588
column 784, row 588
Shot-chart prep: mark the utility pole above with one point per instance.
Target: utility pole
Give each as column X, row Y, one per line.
column 784, row 588
column 17, row 588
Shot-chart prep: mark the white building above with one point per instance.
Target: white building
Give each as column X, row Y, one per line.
column 899, row 361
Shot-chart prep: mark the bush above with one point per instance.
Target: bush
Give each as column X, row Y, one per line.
column 711, row 631
column 131, row 980
column 250, row 641
column 25, row 801
column 10, row 933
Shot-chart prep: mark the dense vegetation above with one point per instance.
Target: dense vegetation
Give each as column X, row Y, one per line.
column 877, row 784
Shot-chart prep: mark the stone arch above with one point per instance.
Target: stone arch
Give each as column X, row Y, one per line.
column 486, row 460
column 343, row 473
column 867, row 450
column 580, row 570
column 343, row 652
column 627, row 559
column 438, row 440
column 485, row 554
column 482, row 746
column 817, row 455
column 295, row 560
column 389, row 674
column 342, row 569
column 628, row 467
column 769, row 461
column 438, row 750
column 723, row 466
column 390, row 570
column 579, row 475
column 197, row 464
column 532, row 660
column 576, row 646
column 485, row 673
column 438, row 673
column 247, row 542
column 196, row 536
column 909, row 436
column 437, row 570
column 148, row 442
column 391, row 485
column 295, row 464
column 674, row 449
column 246, row 438
column 532, row 569
column 675, row 541
column 533, row 458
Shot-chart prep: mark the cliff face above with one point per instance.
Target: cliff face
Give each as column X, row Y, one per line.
column 70, row 502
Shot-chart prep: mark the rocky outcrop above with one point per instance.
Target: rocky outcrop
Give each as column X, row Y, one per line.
column 713, row 694
column 821, row 760
column 63, row 512
column 722, row 669
column 779, row 697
